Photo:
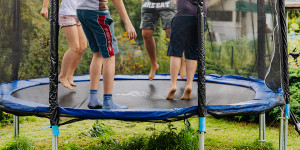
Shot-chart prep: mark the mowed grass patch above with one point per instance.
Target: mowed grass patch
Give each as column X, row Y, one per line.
column 220, row 134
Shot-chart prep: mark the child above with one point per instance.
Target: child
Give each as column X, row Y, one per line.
column 152, row 11
column 99, row 30
column 75, row 37
column 183, row 38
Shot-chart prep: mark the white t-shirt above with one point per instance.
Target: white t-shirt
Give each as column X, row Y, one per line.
column 68, row 7
column 92, row 4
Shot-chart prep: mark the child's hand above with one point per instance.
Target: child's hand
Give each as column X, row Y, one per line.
column 131, row 34
column 44, row 12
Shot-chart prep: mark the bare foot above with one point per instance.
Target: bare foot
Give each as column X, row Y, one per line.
column 171, row 93
column 187, row 94
column 152, row 72
column 65, row 82
column 182, row 74
column 71, row 81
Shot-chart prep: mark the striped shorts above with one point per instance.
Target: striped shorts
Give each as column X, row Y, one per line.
column 68, row 20
column 99, row 30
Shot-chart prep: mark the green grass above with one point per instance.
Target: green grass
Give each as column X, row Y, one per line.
column 221, row 134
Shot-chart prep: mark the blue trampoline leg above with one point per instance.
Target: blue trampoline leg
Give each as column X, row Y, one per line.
column 202, row 132
column 55, row 133
column 287, row 116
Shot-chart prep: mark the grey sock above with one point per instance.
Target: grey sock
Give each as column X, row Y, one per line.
column 109, row 104
column 94, row 102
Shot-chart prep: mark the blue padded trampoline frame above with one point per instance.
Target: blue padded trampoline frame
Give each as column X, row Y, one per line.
column 264, row 99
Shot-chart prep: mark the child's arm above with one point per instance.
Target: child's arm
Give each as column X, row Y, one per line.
column 119, row 5
column 44, row 11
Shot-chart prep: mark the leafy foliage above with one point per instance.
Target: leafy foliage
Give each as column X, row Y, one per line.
column 99, row 130
column 5, row 118
column 294, row 21
column 20, row 143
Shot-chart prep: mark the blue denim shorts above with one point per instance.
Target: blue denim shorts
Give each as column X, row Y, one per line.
column 98, row 27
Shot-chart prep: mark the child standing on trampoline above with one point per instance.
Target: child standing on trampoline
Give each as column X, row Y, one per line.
column 98, row 27
column 183, row 39
column 75, row 37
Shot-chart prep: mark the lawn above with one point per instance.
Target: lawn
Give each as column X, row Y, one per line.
column 221, row 134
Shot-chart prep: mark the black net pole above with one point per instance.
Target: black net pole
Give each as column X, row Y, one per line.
column 284, row 52
column 284, row 69
column 201, row 61
column 53, row 79
column 261, row 45
column 201, row 74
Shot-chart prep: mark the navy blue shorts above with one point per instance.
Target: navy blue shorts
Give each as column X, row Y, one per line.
column 184, row 37
column 98, row 28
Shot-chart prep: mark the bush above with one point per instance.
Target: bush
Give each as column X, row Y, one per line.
column 294, row 89
column 20, row 143
column 169, row 139
column 5, row 118
column 99, row 130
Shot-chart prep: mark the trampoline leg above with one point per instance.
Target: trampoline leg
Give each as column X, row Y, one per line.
column 16, row 126
column 54, row 142
column 201, row 141
column 286, row 133
column 201, row 132
column 286, row 125
column 281, row 130
column 55, row 133
column 262, row 127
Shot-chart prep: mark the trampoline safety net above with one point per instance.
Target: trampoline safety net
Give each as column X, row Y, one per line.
column 242, row 46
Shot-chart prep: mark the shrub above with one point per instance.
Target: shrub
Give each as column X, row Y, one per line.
column 20, row 143
column 5, row 118
column 99, row 130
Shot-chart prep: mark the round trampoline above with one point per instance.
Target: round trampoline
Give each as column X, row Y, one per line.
column 226, row 95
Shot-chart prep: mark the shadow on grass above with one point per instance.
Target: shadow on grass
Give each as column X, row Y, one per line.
column 255, row 145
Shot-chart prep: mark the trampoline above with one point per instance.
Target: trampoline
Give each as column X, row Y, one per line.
column 226, row 95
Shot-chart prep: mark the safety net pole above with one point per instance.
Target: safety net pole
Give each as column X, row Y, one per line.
column 284, row 66
column 17, row 50
column 53, row 79
column 201, row 74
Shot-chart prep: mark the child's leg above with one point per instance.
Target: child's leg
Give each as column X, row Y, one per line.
column 95, row 74
column 174, row 69
column 82, row 48
column 182, row 68
column 182, row 65
column 72, row 55
column 108, row 74
column 95, row 70
column 151, row 49
column 108, row 81
column 191, row 66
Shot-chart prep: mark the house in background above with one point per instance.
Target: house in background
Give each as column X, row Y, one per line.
column 292, row 4
column 232, row 19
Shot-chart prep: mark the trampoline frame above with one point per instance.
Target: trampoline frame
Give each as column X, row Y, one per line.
column 264, row 100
